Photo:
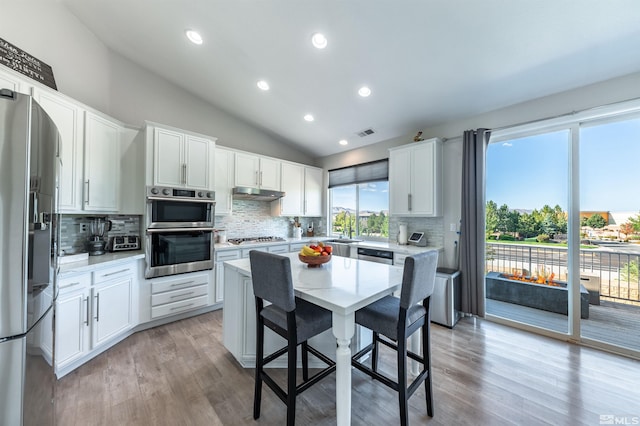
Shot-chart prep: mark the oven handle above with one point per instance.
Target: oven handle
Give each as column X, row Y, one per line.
column 185, row 200
column 159, row 230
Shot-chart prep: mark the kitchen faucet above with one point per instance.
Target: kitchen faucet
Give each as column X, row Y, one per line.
column 345, row 218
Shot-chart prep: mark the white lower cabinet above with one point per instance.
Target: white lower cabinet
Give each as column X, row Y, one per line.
column 93, row 310
column 221, row 257
column 178, row 294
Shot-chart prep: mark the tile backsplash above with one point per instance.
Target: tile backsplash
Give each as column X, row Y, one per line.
column 73, row 238
column 253, row 219
column 433, row 228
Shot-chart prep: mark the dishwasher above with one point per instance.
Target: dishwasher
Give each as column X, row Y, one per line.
column 375, row 255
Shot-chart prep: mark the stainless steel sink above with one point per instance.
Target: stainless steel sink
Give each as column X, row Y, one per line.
column 342, row 246
column 343, row 241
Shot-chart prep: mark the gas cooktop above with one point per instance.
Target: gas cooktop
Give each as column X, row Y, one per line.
column 254, row 240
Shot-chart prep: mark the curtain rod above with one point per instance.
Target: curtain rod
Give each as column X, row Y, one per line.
column 566, row 114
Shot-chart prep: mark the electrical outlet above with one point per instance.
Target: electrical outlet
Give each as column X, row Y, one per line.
column 453, row 227
column 83, row 227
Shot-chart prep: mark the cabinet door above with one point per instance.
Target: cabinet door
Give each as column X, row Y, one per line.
column 293, row 186
column 399, row 181
column 247, row 169
column 9, row 81
column 68, row 119
column 224, row 167
column 270, row 174
column 197, row 170
column 71, row 326
column 423, row 174
column 112, row 313
column 312, row 191
column 168, row 165
column 102, row 163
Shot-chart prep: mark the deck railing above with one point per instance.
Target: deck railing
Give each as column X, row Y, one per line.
column 616, row 272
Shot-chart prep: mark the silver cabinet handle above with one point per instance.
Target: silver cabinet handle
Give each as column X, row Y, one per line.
column 113, row 273
column 86, row 322
column 181, row 307
column 183, row 294
column 257, row 180
column 260, row 178
column 184, row 173
column 409, row 202
column 97, row 307
column 87, row 184
column 181, row 284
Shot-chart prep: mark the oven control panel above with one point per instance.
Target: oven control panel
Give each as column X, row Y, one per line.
column 168, row 192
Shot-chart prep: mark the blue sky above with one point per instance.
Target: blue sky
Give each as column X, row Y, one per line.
column 530, row 172
column 373, row 197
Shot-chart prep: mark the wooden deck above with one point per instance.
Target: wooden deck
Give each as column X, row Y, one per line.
column 609, row 322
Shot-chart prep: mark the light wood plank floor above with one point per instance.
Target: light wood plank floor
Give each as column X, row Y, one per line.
column 484, row 374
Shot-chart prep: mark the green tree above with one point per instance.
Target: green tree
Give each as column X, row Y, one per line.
column 491, row 217
column 527, row 226
column 503, row 218
column 583, row 221
column 549, row 226
column 635, row 222
column 596, row 221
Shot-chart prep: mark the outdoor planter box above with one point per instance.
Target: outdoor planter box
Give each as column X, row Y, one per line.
column 538, row 296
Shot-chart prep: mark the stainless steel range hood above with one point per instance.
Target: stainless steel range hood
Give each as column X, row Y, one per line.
column 254, row 194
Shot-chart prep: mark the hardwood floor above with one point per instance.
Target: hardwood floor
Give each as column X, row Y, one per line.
column 484, row 374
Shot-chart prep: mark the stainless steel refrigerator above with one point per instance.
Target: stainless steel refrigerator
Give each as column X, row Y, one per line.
column 29, row 169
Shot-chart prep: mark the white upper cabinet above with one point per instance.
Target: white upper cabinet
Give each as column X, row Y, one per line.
column 302, row 186
column 181, row 159
column 312, row 191
column 292, row 204
column 101, row 163
column 224, row 172
column 415, row 179
column 254, row 171
column 12, row 82
column 68, row 117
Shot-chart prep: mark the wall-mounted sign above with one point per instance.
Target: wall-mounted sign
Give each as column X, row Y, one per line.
column 19, row 60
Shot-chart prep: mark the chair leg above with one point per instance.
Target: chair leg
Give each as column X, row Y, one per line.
column 257, row 395
column 291, row 381
column 305, row 361
column 374, row 352
column 426, row 355
column 402, row 380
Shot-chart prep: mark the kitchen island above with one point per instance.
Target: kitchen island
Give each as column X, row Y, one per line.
column 342, row 286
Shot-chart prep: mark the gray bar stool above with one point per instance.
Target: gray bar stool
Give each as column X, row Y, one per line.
column 397, row 319
column 294, row 319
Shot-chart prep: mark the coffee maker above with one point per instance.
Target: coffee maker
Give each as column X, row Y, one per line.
column 98, row 226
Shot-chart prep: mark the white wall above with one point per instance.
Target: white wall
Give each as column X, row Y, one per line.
column 86, row 70
column 611, row 91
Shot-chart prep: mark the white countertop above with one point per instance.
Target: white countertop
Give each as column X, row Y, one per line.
column 396, row 248
column 342, row 285
column 98, row 261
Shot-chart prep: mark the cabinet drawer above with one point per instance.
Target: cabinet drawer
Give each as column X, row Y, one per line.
column 162, row 285
column 223, row 256
column 245, row 252
column 279, row 249
column 116, row 271
column 178, row 295
column 178, row 307
column 74, row 282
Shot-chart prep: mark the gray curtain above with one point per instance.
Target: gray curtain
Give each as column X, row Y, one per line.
column 472, row 244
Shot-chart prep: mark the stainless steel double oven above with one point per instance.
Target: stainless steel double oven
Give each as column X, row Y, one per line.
column 180, row 234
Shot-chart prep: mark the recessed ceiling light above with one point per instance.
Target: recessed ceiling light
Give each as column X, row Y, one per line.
column 343, row 142
column 262, row 85
column 194, row 37
column 309, row 117
column 364, row 91
column 319, row 40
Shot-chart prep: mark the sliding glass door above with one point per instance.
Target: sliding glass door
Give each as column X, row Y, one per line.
column 526, row 230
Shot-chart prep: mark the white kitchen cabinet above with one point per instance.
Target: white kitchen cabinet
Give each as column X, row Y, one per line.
column 112, row 308
column 221, row 257
column 177, row 294
column 11, row 81
column 101, row 163
column 182, row 159
column 302, row 186
column 254, row 171
column 69, row 119
column 224, row 176
column 415, row 179
column 72, row 319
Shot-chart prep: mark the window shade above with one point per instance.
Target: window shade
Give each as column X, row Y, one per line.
column 360, row 173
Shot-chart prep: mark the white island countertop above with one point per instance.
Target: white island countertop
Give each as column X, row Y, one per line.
column 342, row 285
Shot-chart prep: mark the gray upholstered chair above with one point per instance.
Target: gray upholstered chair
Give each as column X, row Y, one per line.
column 397, row 319
column 294, row 319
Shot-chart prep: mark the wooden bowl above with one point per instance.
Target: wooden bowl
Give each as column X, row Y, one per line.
column 314, row 261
